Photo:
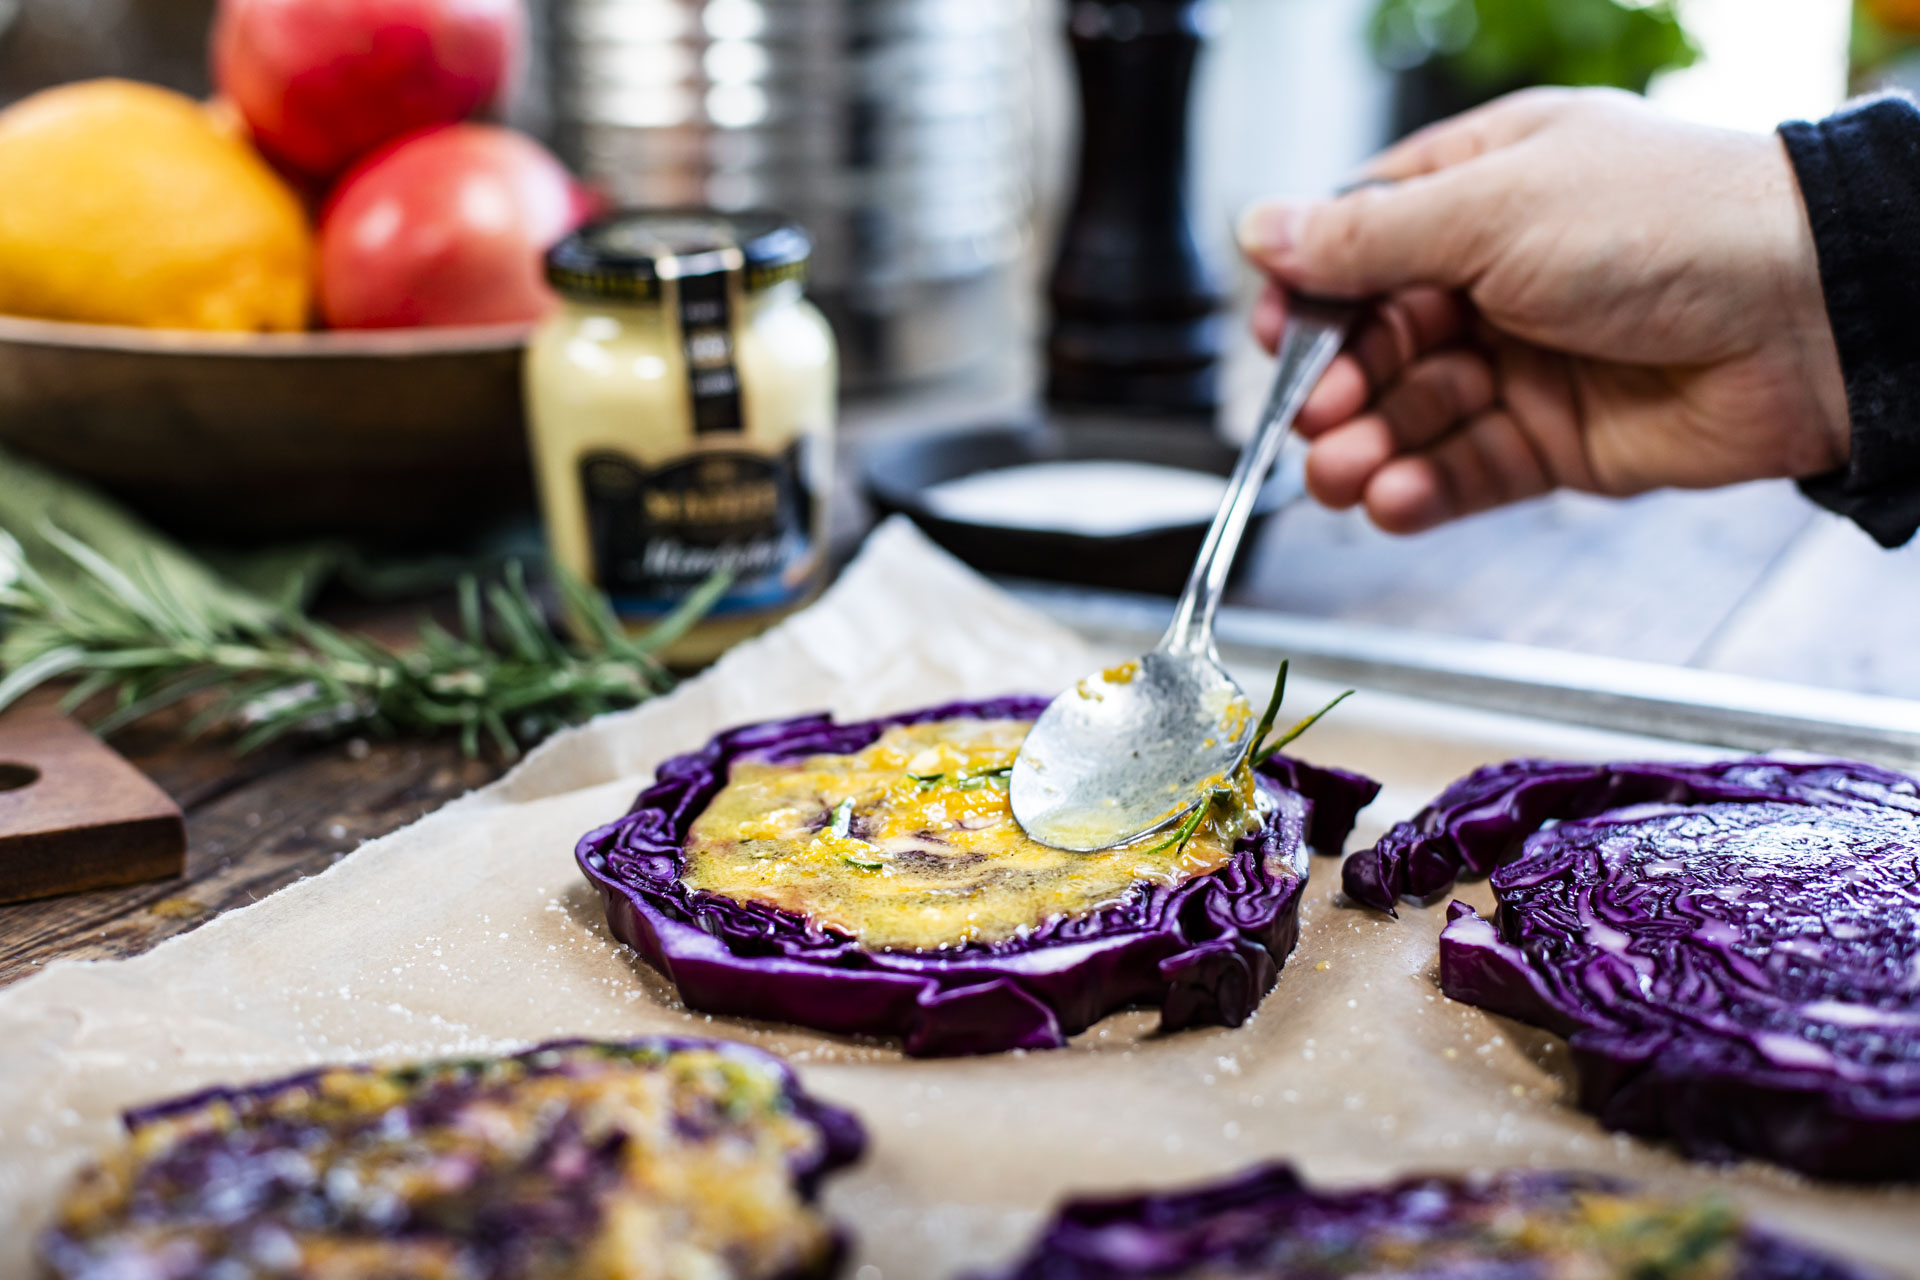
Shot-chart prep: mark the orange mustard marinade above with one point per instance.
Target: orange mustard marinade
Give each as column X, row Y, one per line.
column 1593, row 1236
column 589, row 1162
column 910, row 844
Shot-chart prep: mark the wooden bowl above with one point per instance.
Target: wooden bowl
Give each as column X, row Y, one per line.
column 392, row 433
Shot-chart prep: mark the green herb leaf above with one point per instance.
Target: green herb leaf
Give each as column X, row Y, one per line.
column 685, row 614
column 966, row 781
column 1184, row 832
column 1490, row 46
column 842, row 819
column 1272, row 712
column 864, row 866
column 1274, row 748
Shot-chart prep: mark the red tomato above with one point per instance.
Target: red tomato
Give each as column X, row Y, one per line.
column 323, row 82
column 447, row 227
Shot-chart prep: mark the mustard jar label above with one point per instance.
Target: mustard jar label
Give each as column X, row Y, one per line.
column 658, row 534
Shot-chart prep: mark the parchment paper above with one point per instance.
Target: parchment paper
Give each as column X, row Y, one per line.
column 471, row 930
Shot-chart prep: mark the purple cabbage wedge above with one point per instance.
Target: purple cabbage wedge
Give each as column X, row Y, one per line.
column 1205, row 951
column 1731, row 950
column 1518, row 1225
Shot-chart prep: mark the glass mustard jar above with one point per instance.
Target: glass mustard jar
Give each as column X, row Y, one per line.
column 681, row 407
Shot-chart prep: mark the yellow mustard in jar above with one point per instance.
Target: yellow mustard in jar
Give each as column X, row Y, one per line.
column 681, row 405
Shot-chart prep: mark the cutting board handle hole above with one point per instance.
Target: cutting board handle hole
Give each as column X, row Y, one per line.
column 14, row 776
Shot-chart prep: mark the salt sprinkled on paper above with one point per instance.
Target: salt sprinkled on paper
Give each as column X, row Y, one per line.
column 1094, row 498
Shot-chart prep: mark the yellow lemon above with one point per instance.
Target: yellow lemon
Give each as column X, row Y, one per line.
column 123, row 203
column 1901, row 15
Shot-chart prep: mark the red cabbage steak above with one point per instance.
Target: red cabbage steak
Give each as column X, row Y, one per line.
column 1516, row 1225
column 659, row 1152
column 1732, row 950
column 1205, row 951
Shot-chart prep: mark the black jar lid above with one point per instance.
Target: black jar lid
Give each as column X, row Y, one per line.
column 623, row 256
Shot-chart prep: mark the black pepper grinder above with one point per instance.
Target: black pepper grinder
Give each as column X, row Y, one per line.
column 1136, row 316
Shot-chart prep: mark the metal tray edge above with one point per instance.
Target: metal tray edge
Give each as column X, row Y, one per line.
column 1679, row 703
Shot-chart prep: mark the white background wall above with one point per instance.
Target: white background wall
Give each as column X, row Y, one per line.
column 1766, row 61
column 1288, row 101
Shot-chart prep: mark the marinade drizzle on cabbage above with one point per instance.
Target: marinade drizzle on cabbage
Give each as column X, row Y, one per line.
column 570, row 1162
column 1513, row 1224
column 910, row 844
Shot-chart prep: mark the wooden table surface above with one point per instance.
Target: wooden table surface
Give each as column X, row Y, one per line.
column 254, row 824
column 1751, row 580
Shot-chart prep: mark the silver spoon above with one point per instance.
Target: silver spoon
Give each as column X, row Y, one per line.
column 1138, row 747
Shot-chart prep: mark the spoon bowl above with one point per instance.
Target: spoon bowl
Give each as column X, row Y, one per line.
column 1138, row 747
column 1130, row 750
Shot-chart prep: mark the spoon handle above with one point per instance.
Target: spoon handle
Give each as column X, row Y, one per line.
column 1314, row 332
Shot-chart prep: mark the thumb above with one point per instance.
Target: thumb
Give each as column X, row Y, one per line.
column 1432, row 230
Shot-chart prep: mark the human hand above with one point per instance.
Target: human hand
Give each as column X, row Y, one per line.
column 1575, row 292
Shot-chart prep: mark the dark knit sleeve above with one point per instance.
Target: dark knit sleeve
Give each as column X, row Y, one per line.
column 1860, row 175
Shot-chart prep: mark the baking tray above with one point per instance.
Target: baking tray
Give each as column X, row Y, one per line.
column 473, row 931
column 1685, row 704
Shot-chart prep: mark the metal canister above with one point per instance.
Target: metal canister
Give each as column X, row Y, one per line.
column 898, row 132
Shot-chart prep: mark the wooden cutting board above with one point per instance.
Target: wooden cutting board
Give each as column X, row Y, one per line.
column 76, row 815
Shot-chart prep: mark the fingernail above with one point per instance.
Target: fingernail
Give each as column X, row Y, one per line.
column 1269, row 228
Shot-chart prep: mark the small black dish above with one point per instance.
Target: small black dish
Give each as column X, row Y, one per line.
column 898, row 473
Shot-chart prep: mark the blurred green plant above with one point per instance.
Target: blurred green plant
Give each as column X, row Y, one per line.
column 1884, row 34
column 1490, row 46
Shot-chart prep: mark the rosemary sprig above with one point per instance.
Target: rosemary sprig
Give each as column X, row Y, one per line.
column 1264, row 750
column 151, row 638
column 1286, row 739
column 997, row 778
column 1273, row 704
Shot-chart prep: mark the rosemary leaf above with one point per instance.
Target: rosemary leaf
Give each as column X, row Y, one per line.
column 123, row 588
column 84, row 691
column 684, row 615
column 31, row 673
column 1277, row 745
column 169, row 692
column 1273, row 706
column 842, row 819
column 1185, row 831
column 471, row 618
